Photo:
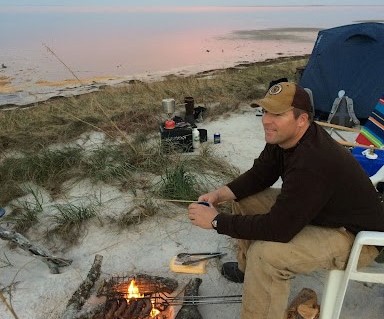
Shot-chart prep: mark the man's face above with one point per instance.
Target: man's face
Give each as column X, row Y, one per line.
column 282, row 129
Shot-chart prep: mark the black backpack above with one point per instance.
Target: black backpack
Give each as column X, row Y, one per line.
column 342, row 112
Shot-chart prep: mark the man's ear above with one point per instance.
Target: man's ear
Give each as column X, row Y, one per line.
column 303, row 119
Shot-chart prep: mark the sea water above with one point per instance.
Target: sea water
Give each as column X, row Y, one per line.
column 54, row 43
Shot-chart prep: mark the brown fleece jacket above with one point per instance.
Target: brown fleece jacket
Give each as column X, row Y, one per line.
column 323, row 185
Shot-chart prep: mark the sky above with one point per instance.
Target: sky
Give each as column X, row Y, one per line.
column 190, row 3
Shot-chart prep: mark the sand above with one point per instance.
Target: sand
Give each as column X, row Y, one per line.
column 148, row 247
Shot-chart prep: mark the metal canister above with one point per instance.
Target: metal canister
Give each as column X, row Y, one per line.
column 168, row 105
column 216, row 138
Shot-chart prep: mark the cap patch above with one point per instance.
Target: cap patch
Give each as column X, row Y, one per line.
column 275, row 89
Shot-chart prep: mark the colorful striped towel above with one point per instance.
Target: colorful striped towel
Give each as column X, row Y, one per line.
column 372, row 133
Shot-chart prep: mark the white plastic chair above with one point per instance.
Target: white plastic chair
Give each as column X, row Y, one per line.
column 337, row 283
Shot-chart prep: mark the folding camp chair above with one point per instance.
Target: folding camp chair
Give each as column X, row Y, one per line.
column 338, row 129
column 372, row 133
column 369, row 135
column 338, row 280
column 368, row 144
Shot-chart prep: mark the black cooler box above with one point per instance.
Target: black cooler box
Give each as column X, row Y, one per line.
column 179, row 139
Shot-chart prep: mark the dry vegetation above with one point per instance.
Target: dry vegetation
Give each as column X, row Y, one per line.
column 35, row 144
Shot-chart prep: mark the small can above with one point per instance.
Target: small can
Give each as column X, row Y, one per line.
column 216, row 138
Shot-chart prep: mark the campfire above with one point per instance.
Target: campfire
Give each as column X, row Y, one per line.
column 137, row 297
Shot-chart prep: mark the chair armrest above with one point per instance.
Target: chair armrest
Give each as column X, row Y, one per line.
column 338, row 127
column 370, row 238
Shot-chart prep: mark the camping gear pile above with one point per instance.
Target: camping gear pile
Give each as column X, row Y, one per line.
column 348, row 58
column 345, row 75
column 179, row 133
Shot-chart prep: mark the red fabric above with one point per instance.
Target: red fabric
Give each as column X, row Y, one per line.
column 361, row 139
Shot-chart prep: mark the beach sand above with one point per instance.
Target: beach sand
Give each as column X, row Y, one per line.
column 147, row 248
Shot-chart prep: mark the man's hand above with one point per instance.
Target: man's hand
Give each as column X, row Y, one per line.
column 212, row 198
column 217, row 196
column 201, row 215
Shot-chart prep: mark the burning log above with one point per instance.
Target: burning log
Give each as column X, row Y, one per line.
column 190, row 311
column 53, row 262
column 83, row 292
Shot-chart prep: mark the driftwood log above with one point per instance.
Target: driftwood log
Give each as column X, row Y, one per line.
column 95, row 312
column 53, row 262
column 304, row 306
column 190, row 311
column 83, row 292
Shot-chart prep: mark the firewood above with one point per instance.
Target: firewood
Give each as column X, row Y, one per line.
column 95, row 312
column 307, row 299
column 308, row 312
column 42, row 253
column 190, row 311
column 83, row 292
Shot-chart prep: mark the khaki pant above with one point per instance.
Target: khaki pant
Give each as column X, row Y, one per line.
column 269, row 266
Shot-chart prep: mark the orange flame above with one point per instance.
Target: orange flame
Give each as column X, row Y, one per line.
column 154, row 312
column 133, row 292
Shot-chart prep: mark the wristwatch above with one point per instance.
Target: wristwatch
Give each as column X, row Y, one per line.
column 214, row 222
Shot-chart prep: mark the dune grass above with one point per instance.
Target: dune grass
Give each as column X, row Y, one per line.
column 136, row 107
column 68, row 222
column 136, row 214
column 37, row 145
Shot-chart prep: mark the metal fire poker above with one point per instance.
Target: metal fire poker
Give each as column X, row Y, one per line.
column 204, row 300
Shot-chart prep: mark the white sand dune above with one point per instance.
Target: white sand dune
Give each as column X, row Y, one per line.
column 149, row 246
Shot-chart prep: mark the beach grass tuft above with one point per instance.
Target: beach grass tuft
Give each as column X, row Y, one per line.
column 48, row 168
column 68, row 222
column 108, row 163
column 135, row 215
column 25, row 212
column 178, row 183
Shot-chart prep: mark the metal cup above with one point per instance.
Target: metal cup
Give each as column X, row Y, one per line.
column 189, row 103
column 168, row 106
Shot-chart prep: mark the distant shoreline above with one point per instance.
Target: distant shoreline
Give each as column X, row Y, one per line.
column 73, row 87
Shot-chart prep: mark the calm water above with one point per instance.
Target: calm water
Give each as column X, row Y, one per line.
column 123, row 41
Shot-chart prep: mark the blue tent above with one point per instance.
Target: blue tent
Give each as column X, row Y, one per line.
column 349, row 58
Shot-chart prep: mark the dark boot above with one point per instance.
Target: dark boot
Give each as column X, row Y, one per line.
column 231, row 271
